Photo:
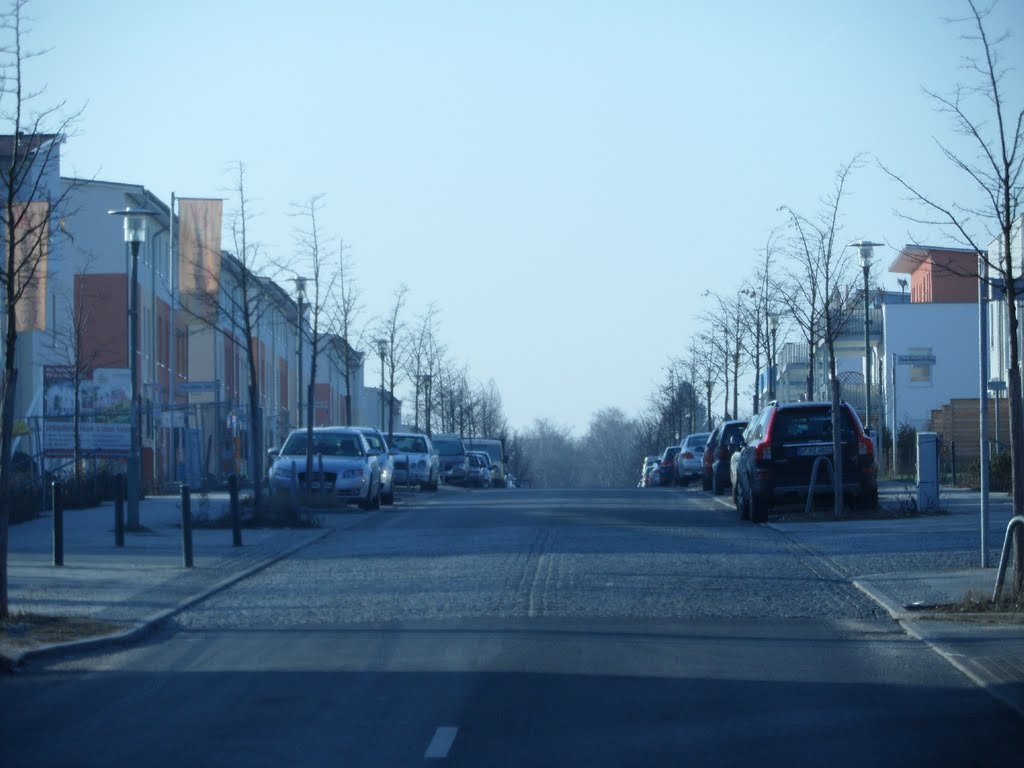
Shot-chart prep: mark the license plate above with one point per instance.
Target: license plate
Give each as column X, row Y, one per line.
column 814, row 450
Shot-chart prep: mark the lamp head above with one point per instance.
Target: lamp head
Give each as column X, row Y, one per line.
column 135, row 223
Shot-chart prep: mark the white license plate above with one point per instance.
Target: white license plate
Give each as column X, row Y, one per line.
column 814, row 450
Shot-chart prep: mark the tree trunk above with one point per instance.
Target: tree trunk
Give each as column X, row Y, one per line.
column 1016, row 421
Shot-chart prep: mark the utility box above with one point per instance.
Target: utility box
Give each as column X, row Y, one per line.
column 927, row 471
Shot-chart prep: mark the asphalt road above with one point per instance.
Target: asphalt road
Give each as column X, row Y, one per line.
column 521, row 628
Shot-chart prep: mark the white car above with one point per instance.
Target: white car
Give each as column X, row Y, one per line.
column 690, row 459
column 345, row 468
column 480, row 472
column 415, row 460
column 385, row 460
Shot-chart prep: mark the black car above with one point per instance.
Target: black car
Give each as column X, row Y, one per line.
column 668, row 464
column 780, row 447
column 721, row 445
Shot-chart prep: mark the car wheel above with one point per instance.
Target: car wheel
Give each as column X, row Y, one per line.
column 757, row 506
column 716, row 485
column 868, row 500
column 742, row 505
column 705, row 481
column 388, row 498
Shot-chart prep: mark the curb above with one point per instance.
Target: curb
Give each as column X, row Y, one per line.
column 913, row 625
column 152, row 623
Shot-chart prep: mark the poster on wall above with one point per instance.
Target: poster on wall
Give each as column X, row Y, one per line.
column 104, row 397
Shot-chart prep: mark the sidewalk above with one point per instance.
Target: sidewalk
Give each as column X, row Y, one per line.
column 910, row 565
column 138, row 586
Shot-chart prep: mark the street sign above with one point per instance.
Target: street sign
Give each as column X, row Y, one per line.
column 199, row 386
column 915, row 359
column 997, row 385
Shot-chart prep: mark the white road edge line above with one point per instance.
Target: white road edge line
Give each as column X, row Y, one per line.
column 442, row 742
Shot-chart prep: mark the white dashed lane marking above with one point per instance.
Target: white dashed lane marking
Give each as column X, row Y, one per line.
column 442, row 742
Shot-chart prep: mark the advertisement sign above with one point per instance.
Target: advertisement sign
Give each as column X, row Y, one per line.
column 104, row 399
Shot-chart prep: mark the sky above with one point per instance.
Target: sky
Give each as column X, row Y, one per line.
column 563, row 181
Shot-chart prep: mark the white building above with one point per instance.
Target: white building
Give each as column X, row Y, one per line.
column 947, row 332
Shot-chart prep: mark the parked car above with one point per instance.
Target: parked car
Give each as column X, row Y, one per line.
column 691, row 454
column 345, row 468
column 721, row 445
column 452, row 453
column 375, row 439
column 667, row 464
column 479, row 468
column 650, row 464
column 494, row 449
column 416, row 463
column 780, row 447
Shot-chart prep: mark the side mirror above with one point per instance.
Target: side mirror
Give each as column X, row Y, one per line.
column 273, row 452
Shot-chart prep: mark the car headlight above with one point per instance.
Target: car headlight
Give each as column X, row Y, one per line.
column 281, row 470
column 354, row 472
column 421, row 464
column 384, row 475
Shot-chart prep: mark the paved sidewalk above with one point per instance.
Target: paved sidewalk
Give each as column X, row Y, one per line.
column 910, row 565
column 140, row 585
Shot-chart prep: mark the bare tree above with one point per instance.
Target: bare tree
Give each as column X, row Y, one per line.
column 392, row 332
column 994, row 132
column 821, row 255
column 761, row 292
column 800, row 292
column 420, row 358
column 609, row 450
column 33, row 198
column 490, row 412
column 733, row 316
column 705, row 367
column 347, row 308
column 80, row 354
column 234, row 307
column 313, row 253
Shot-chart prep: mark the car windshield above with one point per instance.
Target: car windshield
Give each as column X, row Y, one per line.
column 324, row 444
column 409, row 444
column 697, row 441
column 794, row 425
column 449, row 447
column 374, row 441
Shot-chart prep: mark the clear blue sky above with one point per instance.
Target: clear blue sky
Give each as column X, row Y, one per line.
column 563, row 179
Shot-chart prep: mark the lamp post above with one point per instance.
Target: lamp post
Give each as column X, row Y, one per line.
column 134, row 235
column 382, row 350
column 865, row 250
column 773, row 327
column 300, row 297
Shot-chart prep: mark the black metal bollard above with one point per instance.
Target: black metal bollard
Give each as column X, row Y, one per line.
column 58, row 524
column 119, row 510
column 236, row 512
column 186, row 526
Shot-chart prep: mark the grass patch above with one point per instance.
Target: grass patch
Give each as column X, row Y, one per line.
column 20, row 631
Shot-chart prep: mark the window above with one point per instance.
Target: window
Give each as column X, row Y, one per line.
column 920, row 374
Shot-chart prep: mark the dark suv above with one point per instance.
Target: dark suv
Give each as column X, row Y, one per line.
column 779, row 450
column 721, row 445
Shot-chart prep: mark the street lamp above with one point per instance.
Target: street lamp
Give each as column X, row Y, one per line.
column 300, row 297
column 773, row 327
column 382, row 350
column 134, row 235
column 865, row 250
